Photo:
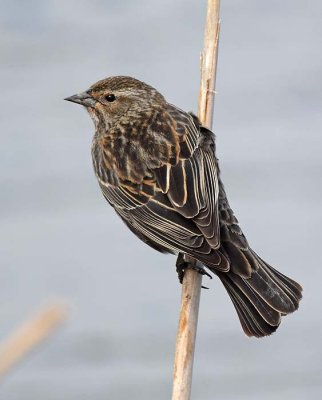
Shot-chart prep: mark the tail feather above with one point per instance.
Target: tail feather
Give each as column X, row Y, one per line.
column 292, row 287
column 269, row 314
column 261, row 299
column 251, row 320
column 271, row 291
column 260, row 294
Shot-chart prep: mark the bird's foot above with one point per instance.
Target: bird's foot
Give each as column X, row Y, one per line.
column 183, row 264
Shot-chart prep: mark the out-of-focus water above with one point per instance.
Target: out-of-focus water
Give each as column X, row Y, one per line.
column 60, row 240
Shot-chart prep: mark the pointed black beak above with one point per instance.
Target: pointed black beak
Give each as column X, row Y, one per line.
column 85, row 99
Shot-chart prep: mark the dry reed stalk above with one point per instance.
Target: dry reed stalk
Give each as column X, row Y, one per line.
column 188, row 320
column 29, row 335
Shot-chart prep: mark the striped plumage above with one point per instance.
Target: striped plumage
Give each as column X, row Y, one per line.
column 156, row 166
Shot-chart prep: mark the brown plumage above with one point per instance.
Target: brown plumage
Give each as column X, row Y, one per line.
column 156, row 166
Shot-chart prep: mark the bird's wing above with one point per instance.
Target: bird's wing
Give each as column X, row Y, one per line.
column 192, row 184
column 177, row 211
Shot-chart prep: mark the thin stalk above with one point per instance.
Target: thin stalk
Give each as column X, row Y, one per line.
column 191, row 285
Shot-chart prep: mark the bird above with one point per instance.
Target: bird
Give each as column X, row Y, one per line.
column 156, row 166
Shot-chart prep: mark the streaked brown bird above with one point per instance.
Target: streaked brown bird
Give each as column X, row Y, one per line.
column 157, row 168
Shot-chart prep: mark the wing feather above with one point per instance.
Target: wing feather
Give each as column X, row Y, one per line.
column 178, row 210
column 198, row 199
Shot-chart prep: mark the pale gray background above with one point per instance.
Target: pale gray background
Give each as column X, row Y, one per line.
column 60, row 239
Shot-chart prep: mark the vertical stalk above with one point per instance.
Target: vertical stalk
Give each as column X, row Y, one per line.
column 190, row 298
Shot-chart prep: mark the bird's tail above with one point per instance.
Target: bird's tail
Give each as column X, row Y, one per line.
column 261, row 299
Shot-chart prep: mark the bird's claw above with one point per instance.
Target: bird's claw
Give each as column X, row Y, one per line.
column 182, row 265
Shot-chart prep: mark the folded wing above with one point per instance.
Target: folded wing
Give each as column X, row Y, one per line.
column 175, row 207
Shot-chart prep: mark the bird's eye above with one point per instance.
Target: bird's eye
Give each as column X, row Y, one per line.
column 110, row 97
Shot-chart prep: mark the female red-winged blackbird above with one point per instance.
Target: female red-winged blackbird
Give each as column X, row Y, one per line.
column 156, row 166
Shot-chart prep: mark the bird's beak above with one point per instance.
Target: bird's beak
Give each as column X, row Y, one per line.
column 85, row 99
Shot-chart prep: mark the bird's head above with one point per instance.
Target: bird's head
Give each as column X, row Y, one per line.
column 111, row 98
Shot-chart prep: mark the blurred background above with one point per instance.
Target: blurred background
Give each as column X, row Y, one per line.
column 60, row 240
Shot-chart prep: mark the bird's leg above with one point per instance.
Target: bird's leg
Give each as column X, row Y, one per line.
column 184, row 262
column 181, row 266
